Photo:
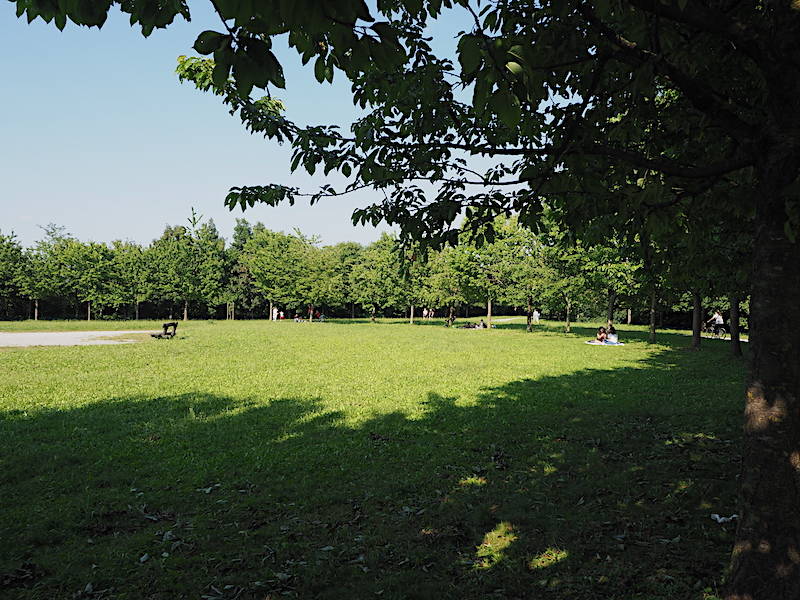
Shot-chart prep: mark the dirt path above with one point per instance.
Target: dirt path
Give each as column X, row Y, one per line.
column 66, row 338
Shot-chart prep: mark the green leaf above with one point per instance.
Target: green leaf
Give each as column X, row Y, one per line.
column 319, row 69
column 514, row 67
column 469, row 53
column 506, row 106
column 209, row 41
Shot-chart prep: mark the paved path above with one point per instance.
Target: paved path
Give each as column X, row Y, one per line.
column 65, row 338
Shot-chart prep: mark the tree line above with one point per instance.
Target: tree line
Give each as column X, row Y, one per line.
column 192, row 271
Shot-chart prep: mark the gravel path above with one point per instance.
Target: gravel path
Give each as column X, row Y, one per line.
column 65, row 338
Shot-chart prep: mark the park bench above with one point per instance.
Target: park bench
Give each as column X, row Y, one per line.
column 167, row 334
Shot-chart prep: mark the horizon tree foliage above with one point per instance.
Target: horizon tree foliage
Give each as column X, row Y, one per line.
column 573, row 102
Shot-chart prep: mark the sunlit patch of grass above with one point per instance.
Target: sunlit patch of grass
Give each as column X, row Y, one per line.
column 548, row 558
column 495, row 543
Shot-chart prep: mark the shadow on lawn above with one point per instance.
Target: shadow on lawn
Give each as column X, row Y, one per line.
column 594, row 485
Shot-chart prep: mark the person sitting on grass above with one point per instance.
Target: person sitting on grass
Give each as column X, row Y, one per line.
column 602, row 335
column 612, row 337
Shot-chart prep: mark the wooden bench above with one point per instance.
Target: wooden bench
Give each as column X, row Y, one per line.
column 169, row 331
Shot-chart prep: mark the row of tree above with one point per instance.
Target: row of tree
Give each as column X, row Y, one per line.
column 191, row 270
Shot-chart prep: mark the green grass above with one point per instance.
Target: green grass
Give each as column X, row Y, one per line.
column 356, row 460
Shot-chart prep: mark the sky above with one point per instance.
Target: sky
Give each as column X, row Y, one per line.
column 98, row 136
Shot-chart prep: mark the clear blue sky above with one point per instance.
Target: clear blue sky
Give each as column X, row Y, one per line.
column 97, row 135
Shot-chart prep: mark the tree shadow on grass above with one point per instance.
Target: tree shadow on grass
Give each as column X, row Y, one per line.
column 598, row 484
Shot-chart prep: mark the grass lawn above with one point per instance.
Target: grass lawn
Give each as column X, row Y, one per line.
column 355, row 460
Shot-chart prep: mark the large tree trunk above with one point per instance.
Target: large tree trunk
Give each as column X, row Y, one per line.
column 185, row 310
column 736, row 344
column 489, row 313
column 530, row 314
column 766, row 555
column 612, row 301
column 697, row 319
column 652, row 337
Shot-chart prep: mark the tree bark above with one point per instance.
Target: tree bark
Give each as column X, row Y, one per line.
column 489, row 313
column 530, row 315
column 36, row 310
column 629, row 316
column 612, row 301
column 372, row 315
column 766, row 555
column 736, row 344
column 697, row 319
column 88, row 310
column 411, row 315
column 185, row 310
column 567, row 327
column 136, row 310
column 270, row 311
column 652, row 337
column 450, row 318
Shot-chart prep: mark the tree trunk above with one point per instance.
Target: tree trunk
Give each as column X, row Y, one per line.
column 450, row 317
column 629, row 316
column 352, row 310
column 136, row 310
column 310, row 313
column 489, row 313
column 185, row 310
column 530, row 315
column 736, row 344
column 567, row 327
column 372, row 315
column 411, row 315
column 36, row 310
column 612, row 301
column 88, row 310
column 652, row 337
column 766, row 555
column 697, row 319
column 270, row 311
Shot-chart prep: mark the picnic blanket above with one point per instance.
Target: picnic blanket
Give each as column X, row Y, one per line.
column 598, row 343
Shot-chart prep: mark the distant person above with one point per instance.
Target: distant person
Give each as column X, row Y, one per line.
column 424, row 313
column 482, row 325
column 281, row 316
column 536, row 315
column 612, row 337
column 602, row 335
column 718, row 320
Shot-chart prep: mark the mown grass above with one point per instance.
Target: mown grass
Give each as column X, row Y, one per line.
column 357, row 460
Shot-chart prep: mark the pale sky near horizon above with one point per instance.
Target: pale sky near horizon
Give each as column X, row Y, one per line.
column 97, row 135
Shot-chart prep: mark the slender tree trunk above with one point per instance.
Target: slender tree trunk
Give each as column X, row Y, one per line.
column 411, row 315
column 136, row 310
column 567, row 327
column 530, row 315
column 652, row 337
column 489, row 313
column 450, row 317
column 766, row 555
column 612, row 302
column 36, row 310
column 185, row 310
column 629, row 316
column 88, row 310
column 736, row 344
column 270, row 310
column 310, row 313
column 697, row 319
column 352, row 310
column 372, row 315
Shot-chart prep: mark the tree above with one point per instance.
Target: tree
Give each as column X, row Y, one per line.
column 11, row 264
column 134, row 281
column 377, row 279
column 276, row 261
column 550, row 81
column 86, row 272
